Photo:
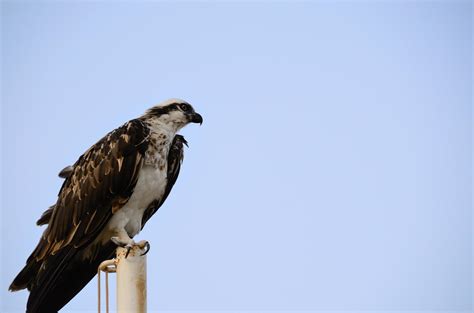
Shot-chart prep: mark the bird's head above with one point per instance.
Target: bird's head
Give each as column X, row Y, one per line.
column 173, row 113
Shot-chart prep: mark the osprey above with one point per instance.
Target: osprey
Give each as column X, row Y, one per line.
column 107, row 197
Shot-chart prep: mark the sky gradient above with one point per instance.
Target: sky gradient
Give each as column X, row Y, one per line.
column 332, row 170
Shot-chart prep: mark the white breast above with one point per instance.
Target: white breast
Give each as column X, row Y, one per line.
column 150, row 186
column 151, row 183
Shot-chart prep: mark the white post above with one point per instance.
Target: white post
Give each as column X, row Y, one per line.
column 131, row 280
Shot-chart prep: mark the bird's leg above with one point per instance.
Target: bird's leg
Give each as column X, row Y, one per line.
column 124, row 241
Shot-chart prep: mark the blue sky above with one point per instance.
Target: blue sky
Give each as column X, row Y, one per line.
column 332, row 171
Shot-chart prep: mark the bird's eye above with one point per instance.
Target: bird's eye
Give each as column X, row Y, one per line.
column 184, row 107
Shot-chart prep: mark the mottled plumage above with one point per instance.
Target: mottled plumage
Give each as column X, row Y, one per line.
column 112, row 190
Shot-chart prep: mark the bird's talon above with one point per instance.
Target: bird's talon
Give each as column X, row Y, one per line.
column 147, row 248
column 129, row 247
column 143, row 245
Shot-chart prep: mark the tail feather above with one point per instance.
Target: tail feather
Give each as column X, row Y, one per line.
column 54, row 282
column 65, row 275
column 26, row 275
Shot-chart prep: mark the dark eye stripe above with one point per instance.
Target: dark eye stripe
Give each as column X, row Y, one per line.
column 184, row 107
column 172, row 107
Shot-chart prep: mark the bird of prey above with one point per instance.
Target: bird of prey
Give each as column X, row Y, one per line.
column 107, row 197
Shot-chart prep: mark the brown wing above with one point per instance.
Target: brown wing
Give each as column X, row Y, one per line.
column 175, row 158
column 101, row 181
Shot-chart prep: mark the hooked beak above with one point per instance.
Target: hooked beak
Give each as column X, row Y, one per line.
column 196, row 118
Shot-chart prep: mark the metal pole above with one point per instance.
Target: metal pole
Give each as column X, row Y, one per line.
column 131, row 280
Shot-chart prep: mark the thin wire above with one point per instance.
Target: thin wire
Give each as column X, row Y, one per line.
column 107, row 266
column 107, row 292
column 98, row 289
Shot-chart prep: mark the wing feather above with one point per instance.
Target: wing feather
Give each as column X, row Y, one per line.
column 87, row 196
column 95, row 186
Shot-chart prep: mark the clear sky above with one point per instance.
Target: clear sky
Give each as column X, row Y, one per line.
column 332, row 171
